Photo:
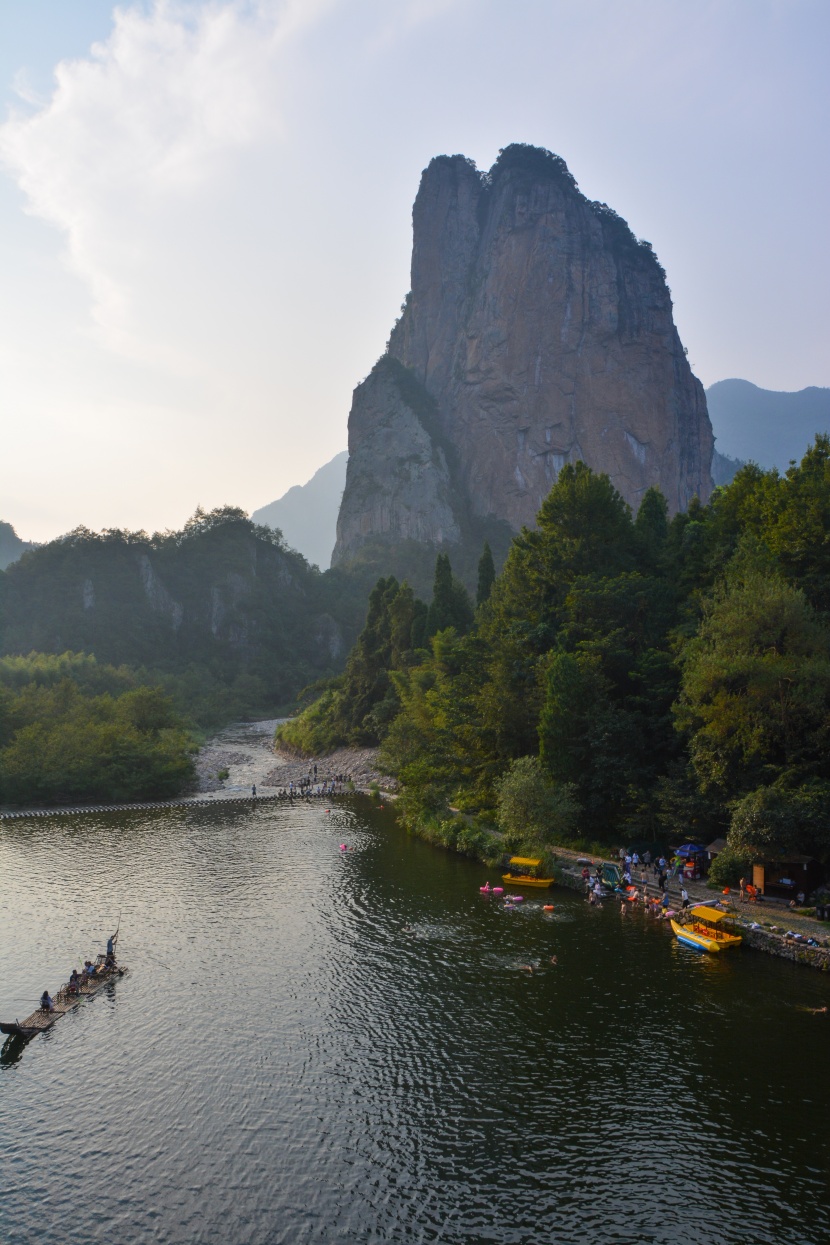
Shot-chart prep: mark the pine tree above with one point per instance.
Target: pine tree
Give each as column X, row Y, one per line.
column 486, row 575
column 652, row 528
column 451, row 605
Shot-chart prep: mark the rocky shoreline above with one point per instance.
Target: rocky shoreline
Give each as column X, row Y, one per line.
column 246, row 751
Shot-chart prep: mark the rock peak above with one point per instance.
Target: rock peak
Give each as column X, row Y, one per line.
column 539, row 331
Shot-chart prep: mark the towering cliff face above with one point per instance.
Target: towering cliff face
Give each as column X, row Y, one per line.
column 538, row 331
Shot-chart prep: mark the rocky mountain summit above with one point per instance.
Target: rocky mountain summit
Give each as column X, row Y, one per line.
column 538, row 331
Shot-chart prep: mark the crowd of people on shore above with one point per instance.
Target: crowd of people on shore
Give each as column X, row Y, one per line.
column 311, row 786
column 636, row 874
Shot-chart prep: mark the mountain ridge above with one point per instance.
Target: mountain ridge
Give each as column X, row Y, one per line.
column 768, row 426
column 307, row 513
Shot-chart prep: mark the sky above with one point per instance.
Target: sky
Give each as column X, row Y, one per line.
column 205, row 212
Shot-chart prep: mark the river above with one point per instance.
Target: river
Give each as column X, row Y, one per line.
column 323, row 1045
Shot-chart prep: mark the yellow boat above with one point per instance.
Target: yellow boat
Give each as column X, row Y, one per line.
column 523, row 863
column 704, row 932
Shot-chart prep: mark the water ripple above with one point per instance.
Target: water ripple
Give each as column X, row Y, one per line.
column 317, row 1045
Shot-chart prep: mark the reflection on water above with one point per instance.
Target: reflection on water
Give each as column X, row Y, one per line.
column 317, row 1045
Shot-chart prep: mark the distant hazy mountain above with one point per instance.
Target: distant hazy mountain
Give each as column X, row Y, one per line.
column 11, row 546
column 307, row 514
column 763, row 425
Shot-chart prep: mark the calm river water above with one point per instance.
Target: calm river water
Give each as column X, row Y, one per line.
column 317, row 1045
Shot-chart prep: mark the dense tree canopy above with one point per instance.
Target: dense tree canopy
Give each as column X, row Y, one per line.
column 71, row 730
column 672, row 677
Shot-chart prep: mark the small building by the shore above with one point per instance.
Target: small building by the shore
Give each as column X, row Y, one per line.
column 715, row 848
column 785, row 877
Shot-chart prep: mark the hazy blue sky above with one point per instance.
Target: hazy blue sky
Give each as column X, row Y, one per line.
column 205, row 212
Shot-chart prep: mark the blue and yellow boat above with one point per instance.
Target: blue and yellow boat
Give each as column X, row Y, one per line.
column 704, row 931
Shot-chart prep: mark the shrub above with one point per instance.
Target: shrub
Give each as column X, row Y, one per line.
column 729, row 866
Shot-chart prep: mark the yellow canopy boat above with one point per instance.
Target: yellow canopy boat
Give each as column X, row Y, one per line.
column 518, row 867
column 704, row 933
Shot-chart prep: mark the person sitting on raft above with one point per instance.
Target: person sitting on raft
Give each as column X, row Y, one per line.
column 89, row 969
column 74, row 982
column 46, row 1003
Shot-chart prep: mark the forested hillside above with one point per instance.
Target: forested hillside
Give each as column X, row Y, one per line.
column 228, row 618
column 626, row 676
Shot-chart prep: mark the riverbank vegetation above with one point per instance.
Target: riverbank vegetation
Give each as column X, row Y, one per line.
column 74, row 731
column 629, row 677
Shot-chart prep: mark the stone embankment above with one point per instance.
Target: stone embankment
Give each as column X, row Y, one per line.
column 786, row 939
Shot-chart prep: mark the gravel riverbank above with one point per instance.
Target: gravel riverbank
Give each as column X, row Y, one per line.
column 246, row 750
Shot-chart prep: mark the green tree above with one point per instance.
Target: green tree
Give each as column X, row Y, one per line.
column 652, row 529
column 777, row 820
column 358, row 706
column 436, row 741
column 486, row 575
column 366, row 684
column 451, row 605
column 755, row 699
column 531, row 808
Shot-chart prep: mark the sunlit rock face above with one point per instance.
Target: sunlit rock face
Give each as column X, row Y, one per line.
column 541, row 332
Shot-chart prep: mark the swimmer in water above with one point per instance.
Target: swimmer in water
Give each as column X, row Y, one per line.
column 553, row 960
column 526, row 968
column 814, row 1011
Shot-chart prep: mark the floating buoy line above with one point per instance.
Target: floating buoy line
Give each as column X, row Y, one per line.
column 190, row 802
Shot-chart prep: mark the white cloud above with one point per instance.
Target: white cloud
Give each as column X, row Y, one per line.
column 144, row 127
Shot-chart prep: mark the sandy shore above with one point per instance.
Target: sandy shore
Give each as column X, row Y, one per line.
column 247, row 751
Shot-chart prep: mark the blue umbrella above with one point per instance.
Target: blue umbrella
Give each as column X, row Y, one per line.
column 689, row 849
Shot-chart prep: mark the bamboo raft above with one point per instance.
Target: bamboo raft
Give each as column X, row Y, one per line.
column 65, row 1000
